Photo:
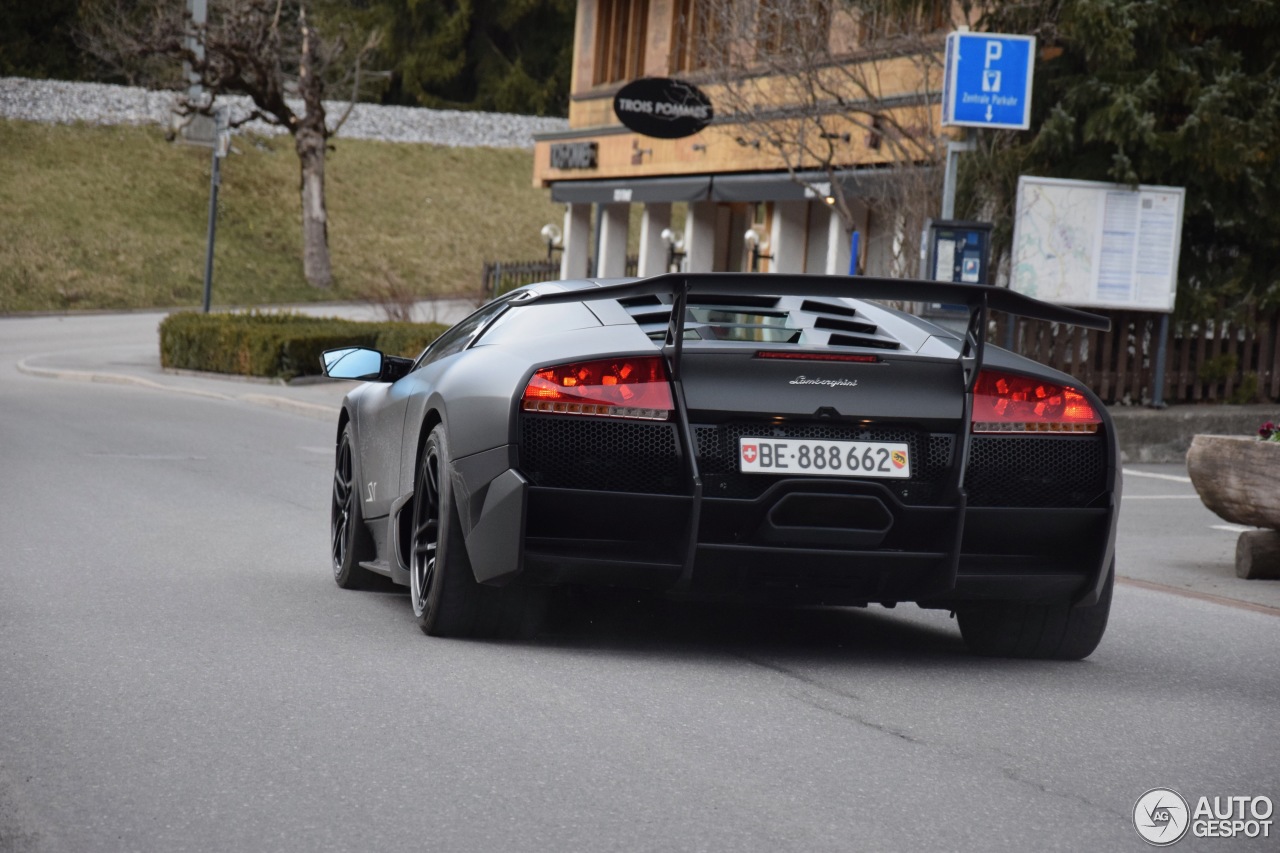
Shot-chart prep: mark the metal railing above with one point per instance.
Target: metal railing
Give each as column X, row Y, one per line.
column 500, row 276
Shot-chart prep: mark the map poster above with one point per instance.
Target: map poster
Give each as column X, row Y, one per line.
column 1097, row 245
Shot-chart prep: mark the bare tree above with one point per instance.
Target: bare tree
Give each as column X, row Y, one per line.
column 825, row 85
column 269, row 50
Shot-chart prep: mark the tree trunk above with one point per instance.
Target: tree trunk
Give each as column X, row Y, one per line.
column 310, row 146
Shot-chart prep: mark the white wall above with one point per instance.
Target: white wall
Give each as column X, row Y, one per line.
column 653, row 252
column 577, row 239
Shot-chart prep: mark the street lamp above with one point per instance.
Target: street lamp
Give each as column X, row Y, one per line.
column 675, row 248
column 758, row 245
column 553, row 238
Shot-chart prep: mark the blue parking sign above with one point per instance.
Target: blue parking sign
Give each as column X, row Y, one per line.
column 988, row 80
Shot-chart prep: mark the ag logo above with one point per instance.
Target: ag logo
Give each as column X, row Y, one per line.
column 749, row 453
column 1161, row 817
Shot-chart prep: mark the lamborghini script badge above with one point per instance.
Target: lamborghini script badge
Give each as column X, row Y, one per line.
column 830, row 383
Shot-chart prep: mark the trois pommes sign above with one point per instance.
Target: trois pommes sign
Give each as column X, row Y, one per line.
column 662, row 107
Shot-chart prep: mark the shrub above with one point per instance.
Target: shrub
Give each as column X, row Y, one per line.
column 278, row 345
column 1248, row 390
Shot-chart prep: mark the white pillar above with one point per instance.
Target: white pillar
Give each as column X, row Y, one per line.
column 613, row 240
column 787, row 236
column 815, row 257
column 577, row 240
column 837, row 245
column 653, row 252
column 700, row 237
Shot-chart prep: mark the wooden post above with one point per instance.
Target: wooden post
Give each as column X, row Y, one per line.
column 1258, row 555
column 1275, row 355
column 1122, row 357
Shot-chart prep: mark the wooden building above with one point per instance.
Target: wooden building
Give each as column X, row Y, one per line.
column 722, row 179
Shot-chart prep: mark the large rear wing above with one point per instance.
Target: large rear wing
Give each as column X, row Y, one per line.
column 979, row 299
column 838, row 286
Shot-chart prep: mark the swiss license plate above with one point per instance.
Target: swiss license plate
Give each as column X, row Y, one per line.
column 816, row 457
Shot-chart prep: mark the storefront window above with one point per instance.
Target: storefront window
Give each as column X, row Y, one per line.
column 699, row 34
column 888, row 20
column 620, row 40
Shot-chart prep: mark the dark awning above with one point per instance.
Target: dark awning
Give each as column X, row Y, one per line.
column 766, row 186
column 639, row 190
column 780, row 186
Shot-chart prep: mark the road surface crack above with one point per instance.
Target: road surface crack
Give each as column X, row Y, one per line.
column 822, row 702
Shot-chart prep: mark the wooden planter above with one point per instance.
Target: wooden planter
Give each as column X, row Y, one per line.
column 1238, row 478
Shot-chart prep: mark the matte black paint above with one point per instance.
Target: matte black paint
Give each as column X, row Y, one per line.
column 517, row 530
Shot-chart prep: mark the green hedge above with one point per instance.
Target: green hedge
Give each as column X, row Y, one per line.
column 278, row 345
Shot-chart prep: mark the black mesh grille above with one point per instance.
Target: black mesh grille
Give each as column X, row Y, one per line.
column 718, row 456
column 628, row 456
column 1034, row 471
column 609, row 455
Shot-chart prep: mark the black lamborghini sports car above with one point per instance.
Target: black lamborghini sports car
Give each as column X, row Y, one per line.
column 774, row 437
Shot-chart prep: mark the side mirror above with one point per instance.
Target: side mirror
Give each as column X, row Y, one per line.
column 367, row 365
column 353, row 363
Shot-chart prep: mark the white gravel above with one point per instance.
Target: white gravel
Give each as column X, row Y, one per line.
column 60, row 102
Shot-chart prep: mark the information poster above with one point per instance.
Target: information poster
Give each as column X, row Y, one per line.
column 1097, row 245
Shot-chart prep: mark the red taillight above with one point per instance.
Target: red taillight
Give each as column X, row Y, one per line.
column 635, row 387
column 1009, row 402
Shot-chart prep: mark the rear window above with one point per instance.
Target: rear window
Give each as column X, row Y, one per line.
column 761, row 319
column 536, row 321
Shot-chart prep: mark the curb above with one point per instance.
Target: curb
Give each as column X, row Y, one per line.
column 297, row 407
column 1152, row 435
column 1197, row 595
column 110, row 379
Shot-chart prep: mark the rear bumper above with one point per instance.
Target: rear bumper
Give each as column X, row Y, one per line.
column 612, row 503
column 748, row 549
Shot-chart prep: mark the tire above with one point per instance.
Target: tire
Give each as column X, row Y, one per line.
column 447, row 600
column 348, row 539
column 1017, row 629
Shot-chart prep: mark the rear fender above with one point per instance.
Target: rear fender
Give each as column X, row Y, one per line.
column 490, row 499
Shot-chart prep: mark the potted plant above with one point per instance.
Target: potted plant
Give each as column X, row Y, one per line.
column 1238, row 478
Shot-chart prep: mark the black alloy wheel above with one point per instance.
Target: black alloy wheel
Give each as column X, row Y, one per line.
column 346, row 528
column 447, row 599
column 426, row 536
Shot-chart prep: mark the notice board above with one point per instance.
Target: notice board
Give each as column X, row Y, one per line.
column 1097, row 245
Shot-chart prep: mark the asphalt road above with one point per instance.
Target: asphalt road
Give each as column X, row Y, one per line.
column 179, row 672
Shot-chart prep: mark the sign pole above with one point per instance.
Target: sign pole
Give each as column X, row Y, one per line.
column 1157, row 383
column 954, row 150
column 213, row 229
column 215, row 179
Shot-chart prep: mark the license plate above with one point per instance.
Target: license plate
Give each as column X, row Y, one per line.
column 815, row 457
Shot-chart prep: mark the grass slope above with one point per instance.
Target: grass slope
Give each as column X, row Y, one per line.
column 115, row 217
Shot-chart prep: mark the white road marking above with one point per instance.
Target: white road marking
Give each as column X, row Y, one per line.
column 1231, row 528
column 1128, row 472
column 150, row 457
column 1128, row 498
